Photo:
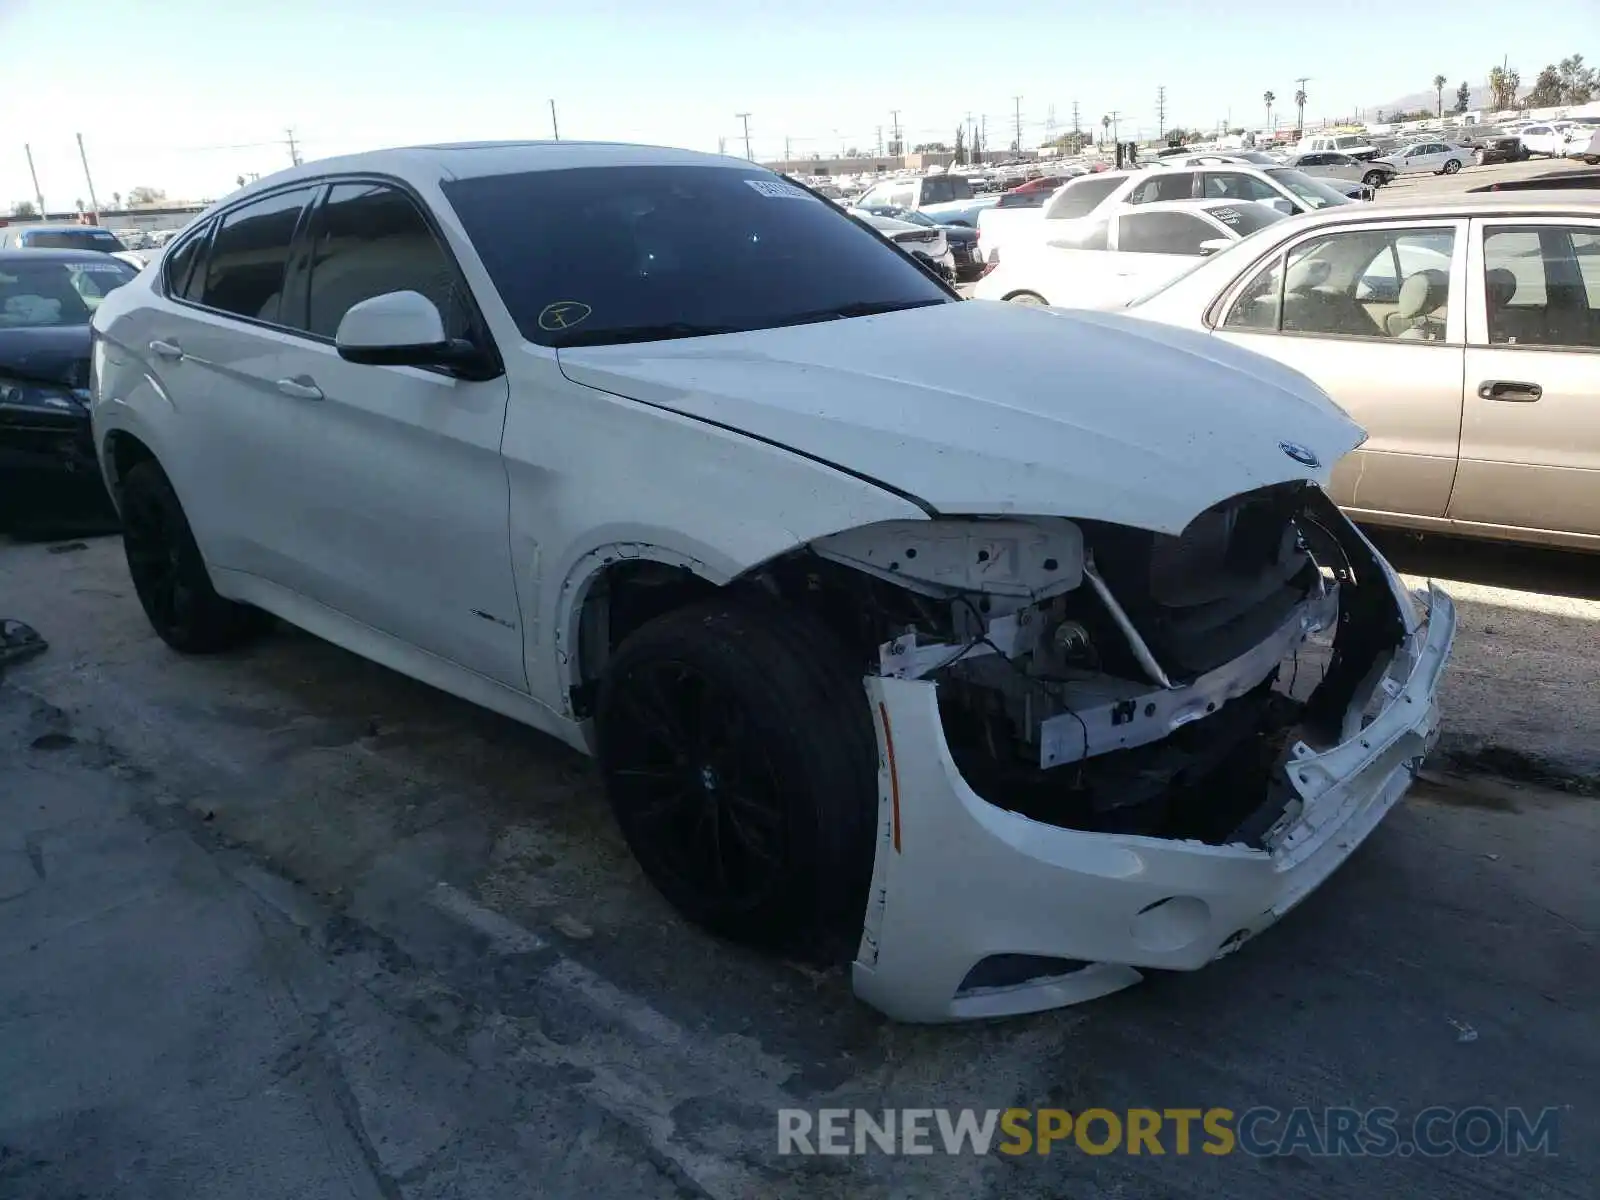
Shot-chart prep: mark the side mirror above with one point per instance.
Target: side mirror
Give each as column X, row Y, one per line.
column 1284, row 205
column 1212, row 245
column 403, row 329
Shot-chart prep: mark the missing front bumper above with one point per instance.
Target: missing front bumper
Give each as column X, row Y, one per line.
column 958, row 880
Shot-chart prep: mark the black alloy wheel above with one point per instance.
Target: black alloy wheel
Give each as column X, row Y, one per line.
column 740, row 759
column 169, row 575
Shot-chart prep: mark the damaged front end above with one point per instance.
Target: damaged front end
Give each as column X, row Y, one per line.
column 1104, row 748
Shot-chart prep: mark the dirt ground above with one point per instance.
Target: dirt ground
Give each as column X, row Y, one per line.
column 284, row 923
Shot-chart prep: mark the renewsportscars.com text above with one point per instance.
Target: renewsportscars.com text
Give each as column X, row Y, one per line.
column 1259, row 1132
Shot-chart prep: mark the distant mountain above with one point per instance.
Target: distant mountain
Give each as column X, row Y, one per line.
column 1429, row 100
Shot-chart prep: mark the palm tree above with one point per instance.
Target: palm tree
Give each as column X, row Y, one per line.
column 1300, row 110
column 1269, row 98
column 1105, row 124
column 1438, row 89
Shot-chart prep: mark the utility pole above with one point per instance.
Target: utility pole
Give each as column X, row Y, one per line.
column 94, row 205
column 895, row 145
column 786, row 158
column 880, row 141
column 294, row 151
column 1116, row 136
column 37, row 194
column 745, row 117
column 555, row 130
column 1161, row 112
column 1017, row 101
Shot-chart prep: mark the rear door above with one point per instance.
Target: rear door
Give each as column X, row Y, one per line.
column 213, row 344
column 1330, row 306
column 1530, row 441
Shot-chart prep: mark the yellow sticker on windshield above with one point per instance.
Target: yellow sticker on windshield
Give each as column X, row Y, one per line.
column 563, row 314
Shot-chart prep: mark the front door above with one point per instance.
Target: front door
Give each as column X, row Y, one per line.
column 1372, row 315
column 1530, row 442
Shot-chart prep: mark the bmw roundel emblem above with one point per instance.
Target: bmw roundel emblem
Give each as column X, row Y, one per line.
column 1300, row 454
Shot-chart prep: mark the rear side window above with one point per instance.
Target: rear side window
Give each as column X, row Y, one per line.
column 371, row 240
column 1079, row 199
column 1163, row 233
column 88, row 238
column 1164, row 185
column 179, row 262
column 249, row 254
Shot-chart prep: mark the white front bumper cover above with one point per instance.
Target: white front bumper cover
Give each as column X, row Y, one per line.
column 957, row 880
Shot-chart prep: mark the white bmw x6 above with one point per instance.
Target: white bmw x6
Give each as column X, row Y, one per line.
column 998, row 651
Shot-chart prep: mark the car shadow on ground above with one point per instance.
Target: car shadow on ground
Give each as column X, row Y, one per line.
column 1493, row 564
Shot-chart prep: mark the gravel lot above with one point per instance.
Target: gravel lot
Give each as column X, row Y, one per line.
column 285, row 924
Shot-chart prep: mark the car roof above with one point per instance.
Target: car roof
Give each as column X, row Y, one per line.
column 1464, row 204
column 467, row 160
column 61, row 227
column 61, row 256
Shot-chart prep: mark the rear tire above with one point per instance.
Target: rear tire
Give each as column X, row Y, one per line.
column 739, row 755
column 170, row 576
column 1451, row 167
column 1374, row 179
column 1027, row 298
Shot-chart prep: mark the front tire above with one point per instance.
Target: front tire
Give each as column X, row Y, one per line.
column 739, row 756
column 1451, row 167
column 1374, row 179
column 1027, row 298
column 170, row 576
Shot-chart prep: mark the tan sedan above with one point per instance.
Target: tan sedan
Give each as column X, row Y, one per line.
column 1463, row 333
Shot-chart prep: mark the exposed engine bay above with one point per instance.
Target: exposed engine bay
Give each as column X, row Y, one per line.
column 1104, row 678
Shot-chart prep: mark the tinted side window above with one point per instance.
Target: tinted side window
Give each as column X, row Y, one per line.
column 1079, row 199
column 1163, row 233
column 180, row 260
column 960, row 188
column 1164, row 185
column 371, row 240
column 244, row 271
column 936, row 190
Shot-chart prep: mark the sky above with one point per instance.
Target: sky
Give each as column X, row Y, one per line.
column 186, row 96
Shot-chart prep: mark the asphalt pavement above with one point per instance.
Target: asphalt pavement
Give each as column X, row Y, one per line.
column 285, row 923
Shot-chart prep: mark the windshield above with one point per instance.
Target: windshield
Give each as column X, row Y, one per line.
column 1313, row 192
column 598, row 255
column 87, row 238
column 49, row 294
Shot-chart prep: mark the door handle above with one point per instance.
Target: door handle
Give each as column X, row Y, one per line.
column 301, row 387
column 166, row 349
column 1510, row 390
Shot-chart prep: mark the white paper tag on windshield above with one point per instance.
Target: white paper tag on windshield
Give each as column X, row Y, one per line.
column 776, row 189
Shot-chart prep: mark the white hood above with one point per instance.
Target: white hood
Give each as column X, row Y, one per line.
column 994, row 408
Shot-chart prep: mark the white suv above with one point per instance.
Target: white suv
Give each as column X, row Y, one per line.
column 941, row 637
